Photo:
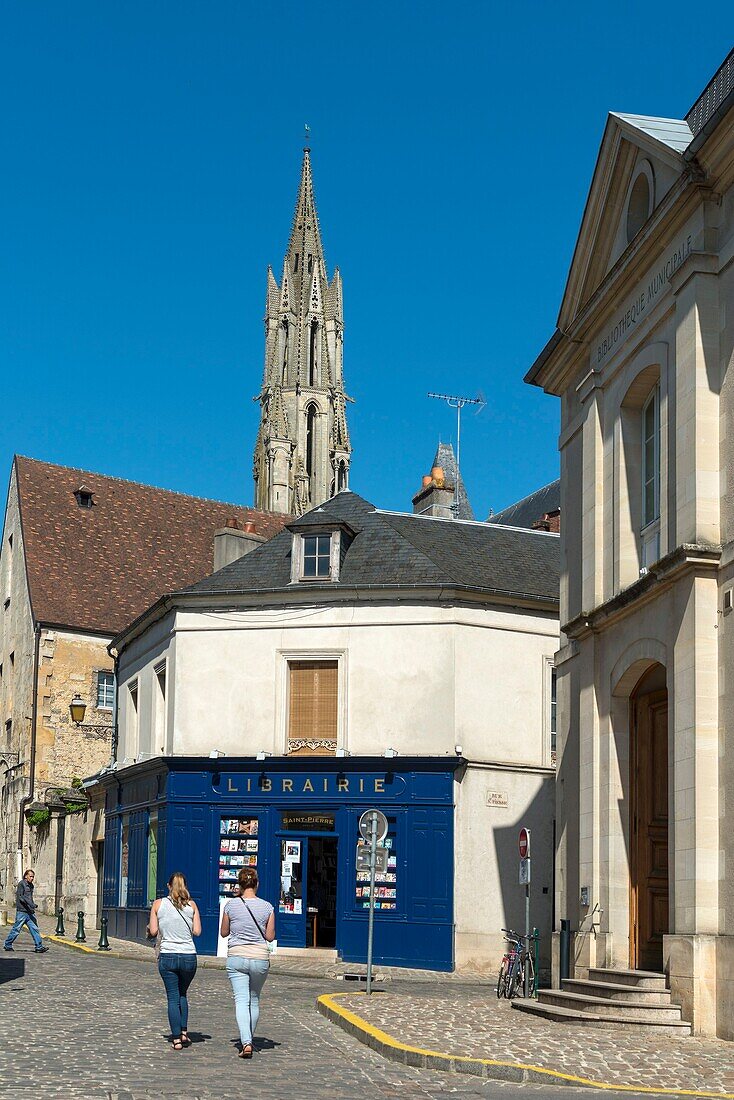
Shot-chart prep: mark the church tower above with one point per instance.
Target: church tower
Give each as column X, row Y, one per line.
column 302, row 452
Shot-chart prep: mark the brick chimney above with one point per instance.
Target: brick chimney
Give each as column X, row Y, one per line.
column 435, row 496
column 233, row 542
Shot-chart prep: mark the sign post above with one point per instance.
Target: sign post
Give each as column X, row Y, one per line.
column 372, row 827
column 524, row 848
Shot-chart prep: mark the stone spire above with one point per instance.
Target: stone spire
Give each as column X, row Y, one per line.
column 302, row 454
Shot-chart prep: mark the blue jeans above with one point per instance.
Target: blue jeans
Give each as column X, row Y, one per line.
column 247, row 977
column 178, row 973
column 23, row 918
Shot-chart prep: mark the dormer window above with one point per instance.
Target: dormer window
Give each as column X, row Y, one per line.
column 316, row 557
column 320, row 542
column 84, row 497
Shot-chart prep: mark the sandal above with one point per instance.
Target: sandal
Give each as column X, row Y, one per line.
column 178, row 1044
column 185, row 1039
column 246, row 1051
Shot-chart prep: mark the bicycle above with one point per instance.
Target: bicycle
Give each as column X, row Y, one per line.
column 516, row 963
column 508, row 960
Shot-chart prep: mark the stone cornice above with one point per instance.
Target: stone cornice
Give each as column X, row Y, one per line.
column 687, row 558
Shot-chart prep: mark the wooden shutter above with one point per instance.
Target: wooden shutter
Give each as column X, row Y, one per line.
column 312, row 719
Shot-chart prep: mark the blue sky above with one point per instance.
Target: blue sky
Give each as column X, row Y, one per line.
column 151, row 154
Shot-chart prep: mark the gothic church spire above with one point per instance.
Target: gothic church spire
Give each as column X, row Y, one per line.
column 303, row 452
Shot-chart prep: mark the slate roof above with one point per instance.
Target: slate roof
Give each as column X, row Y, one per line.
column 398, row 550
column 98, row 568
column 525, row 512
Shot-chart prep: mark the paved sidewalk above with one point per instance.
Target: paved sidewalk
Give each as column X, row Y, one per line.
column 471, row 1023
column 87, row 1026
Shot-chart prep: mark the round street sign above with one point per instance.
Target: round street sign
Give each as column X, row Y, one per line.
column 523, row 843
column 365, row 825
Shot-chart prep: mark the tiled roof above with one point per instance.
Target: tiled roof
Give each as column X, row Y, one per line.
column 397, row 550
column 98, row 568
column 526, row 512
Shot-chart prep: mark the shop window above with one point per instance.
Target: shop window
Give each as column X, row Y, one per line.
column 650, row 519
column 313, row 690
column 238, row 847
column 152, row 856
column 105, row 690
column 386, row 882
column 291, row 877
column 124, row 860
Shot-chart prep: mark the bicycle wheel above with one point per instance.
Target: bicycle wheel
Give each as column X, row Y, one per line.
column 501, row 979
column 514, row 979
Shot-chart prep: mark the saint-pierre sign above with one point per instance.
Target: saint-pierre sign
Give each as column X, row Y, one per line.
column 644, row 298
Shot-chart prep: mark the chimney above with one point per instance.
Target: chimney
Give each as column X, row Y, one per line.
column 232, row 542
column 435, row 496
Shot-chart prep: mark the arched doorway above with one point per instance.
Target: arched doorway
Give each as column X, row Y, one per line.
column 649, row 894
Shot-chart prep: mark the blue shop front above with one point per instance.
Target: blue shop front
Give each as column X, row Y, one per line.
column 296, row 820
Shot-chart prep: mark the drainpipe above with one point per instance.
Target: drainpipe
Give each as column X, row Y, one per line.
column 34, row 721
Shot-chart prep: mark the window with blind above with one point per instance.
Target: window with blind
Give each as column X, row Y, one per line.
column 313, row 690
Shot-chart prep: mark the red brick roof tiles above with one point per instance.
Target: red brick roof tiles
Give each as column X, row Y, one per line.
column 98, row 568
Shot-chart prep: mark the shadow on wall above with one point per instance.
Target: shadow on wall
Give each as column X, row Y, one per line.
column 538, row 817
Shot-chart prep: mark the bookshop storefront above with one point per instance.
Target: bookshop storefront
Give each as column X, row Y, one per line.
column 296, row 821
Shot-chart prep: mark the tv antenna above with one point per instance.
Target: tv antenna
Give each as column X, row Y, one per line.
column 458, row 403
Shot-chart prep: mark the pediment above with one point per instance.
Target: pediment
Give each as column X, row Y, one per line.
column 632, row 146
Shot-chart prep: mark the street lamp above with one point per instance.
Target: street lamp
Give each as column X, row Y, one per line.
column 78, row 709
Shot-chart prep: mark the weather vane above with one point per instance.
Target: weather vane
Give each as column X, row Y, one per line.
column 307, row 134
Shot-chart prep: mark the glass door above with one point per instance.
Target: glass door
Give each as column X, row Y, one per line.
column 291, row 918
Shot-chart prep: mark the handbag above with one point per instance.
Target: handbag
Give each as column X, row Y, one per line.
column 158, row 937
column 272, row 945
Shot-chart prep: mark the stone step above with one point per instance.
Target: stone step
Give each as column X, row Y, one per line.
column 640, row 979
column 612, row 991
column 587, row 1019
column 600, row 1006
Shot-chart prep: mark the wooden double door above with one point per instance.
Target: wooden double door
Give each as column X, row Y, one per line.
column 649, row 900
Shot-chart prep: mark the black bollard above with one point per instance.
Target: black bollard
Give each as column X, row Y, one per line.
column 104, row 943
column 80, row 937
column 60, row 930
column 564, row 950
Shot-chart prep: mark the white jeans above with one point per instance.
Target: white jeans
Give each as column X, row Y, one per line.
column 247, row 977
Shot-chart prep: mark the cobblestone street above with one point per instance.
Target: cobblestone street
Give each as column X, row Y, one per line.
column 86, row 1026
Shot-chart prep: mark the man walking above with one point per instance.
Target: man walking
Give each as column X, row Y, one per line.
column 25, row 913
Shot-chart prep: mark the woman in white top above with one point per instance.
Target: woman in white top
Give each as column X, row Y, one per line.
column 249, row 922
column 177, row 920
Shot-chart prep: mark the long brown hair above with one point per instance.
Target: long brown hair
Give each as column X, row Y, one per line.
column 248, row 879
column 178, row 889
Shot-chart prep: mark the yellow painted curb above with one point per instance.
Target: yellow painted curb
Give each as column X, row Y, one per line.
column 83, row 947
column 328, row 1000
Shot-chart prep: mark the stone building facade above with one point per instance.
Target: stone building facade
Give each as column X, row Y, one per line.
column 642, row 361
column 82, row 554
column 303, row 452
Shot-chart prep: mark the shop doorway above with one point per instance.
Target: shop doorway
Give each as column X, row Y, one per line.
column 321, row 892
column 649, row 894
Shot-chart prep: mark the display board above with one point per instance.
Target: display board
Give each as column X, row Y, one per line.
column 238, row 847
column 386, row 883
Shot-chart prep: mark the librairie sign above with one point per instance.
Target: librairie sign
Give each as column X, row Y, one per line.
column 310, row 784
column 641, row 303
